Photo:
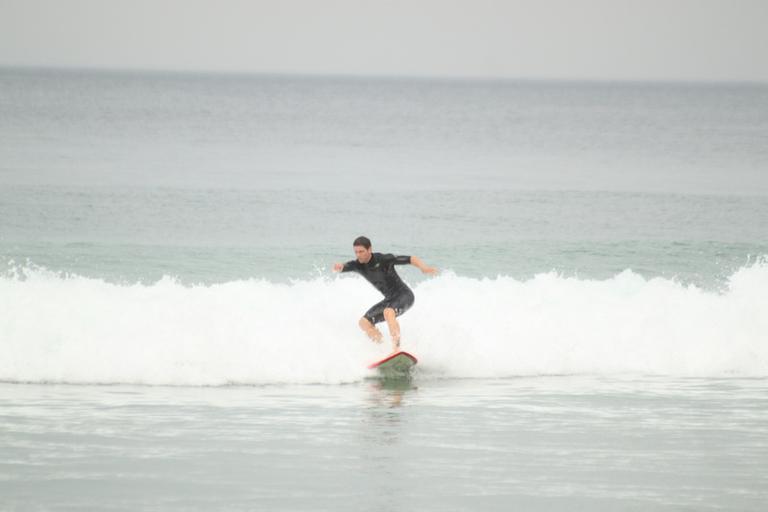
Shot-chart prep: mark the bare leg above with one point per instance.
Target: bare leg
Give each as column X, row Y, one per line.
column 370, row 330
column 394, row 328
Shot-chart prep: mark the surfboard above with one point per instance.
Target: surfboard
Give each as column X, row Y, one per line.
column 398, row 364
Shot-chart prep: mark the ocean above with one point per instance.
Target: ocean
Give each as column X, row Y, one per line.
column 172, row 336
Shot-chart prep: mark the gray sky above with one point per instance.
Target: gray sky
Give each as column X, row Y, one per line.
column 587, row 39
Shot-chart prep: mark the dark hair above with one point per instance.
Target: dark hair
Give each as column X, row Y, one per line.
column 362, row 241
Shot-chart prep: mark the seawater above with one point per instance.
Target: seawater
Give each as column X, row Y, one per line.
column 84, row 330
column 172, row 337
column 540, row 443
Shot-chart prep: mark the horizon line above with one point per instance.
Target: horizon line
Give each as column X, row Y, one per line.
column 378, row 76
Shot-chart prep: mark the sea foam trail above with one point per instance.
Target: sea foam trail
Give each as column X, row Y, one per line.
column 82, row 330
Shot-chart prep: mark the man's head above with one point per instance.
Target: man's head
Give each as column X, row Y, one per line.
column 362, row 247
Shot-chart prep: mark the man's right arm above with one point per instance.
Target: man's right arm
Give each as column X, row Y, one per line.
column 344, row 267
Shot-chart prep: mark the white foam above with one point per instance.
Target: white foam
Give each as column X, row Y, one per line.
column 82, row 330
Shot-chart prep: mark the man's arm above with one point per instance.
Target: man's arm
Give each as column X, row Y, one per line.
column 418, row 263
column 344, row 267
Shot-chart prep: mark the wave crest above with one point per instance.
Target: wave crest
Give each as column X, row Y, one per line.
column 74, row 329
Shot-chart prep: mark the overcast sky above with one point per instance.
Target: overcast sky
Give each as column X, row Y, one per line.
column 569, row 39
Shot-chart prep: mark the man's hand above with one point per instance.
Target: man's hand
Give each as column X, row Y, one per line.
column 338, row 267
column 416, row 262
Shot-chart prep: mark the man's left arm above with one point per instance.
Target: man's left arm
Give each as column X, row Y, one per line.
column 418, row 263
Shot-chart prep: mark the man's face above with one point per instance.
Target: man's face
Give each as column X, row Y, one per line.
column 363, row 255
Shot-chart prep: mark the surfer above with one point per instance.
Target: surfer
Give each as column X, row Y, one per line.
column 379, row 270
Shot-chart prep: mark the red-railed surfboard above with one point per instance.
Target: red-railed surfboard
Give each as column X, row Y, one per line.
column 399, row 361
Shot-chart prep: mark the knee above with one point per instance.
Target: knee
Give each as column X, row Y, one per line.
column 365, row 323
column 389, row 313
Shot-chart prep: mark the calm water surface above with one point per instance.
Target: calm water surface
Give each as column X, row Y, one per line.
column 559, row 443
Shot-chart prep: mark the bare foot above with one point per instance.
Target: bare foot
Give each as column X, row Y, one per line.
column 395, row 344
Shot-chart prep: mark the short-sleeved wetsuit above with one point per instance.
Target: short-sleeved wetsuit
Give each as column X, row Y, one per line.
column 380, row 272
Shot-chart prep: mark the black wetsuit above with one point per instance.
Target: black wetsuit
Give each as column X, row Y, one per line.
column 380, row 272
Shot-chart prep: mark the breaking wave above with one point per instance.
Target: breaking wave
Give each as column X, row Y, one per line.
column 74, row 329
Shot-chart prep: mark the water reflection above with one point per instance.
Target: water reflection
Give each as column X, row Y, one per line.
column 390, row 392
column 384, row 414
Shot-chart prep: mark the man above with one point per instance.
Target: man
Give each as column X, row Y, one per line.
column 379, row 270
